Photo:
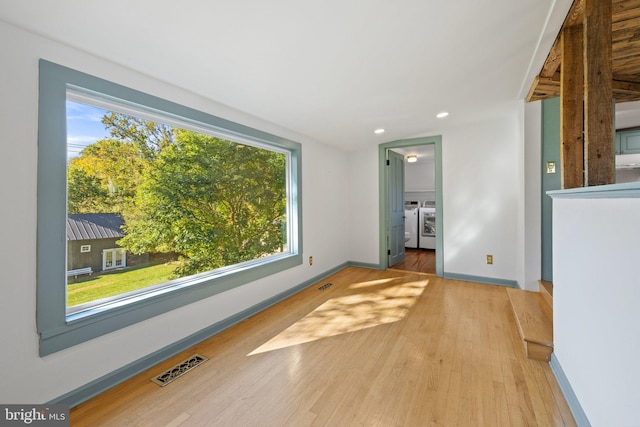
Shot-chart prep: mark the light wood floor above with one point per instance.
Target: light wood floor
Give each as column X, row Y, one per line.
column 418, row 260
column 377, row 348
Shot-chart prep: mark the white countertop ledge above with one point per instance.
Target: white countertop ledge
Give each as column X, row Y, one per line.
column 628, row 190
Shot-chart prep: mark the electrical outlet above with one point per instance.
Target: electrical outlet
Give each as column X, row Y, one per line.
column 310, row 260
column 489, row 259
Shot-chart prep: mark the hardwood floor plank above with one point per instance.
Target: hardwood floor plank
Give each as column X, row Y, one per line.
column 418, row 260
column 378, row 348
column 546, row 408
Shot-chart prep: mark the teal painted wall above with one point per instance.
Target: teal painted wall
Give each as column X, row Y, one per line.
column 550, row 153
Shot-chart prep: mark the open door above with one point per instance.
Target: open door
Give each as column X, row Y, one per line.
column 395, row 180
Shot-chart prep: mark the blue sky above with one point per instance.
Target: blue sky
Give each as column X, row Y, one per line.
column 83, row 127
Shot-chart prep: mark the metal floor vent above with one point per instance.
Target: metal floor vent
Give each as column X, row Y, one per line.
column 325, row 286
column 179, row 370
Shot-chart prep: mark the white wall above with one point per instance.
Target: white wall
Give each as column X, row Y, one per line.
column 420, row 179
column 480, row 196
column 420, row 176
column 529, row 201
column 364, row 206
column 596, row 304
column 31, row 379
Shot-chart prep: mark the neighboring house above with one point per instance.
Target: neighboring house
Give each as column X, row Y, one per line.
column 92, row 243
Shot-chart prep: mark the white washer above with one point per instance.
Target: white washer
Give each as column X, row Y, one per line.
column 411, row 224
column 427, row 225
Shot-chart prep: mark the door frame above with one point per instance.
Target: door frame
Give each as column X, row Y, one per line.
column 384, row 225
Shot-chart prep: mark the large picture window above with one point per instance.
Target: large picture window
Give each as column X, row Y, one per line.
column 176, row 204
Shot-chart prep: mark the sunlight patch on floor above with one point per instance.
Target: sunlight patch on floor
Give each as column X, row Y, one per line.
column 371, row 283
column 350, row 313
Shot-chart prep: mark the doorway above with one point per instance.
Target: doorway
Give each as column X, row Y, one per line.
column 387, row 234
column 113, row 258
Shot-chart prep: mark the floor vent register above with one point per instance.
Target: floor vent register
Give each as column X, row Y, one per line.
column 179, row 370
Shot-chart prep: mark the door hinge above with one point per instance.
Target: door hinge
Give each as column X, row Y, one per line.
column 388, row 162
column 388, row 251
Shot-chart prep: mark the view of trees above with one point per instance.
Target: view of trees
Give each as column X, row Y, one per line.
column 209, row 201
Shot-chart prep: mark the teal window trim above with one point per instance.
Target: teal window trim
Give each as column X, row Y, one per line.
column 55, row 329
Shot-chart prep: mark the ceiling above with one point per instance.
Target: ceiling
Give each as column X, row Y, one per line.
column 331, row 71
column 424, row 153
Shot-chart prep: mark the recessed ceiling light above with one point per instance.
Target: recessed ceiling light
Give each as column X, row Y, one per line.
column 442, row 115
column 379, row 131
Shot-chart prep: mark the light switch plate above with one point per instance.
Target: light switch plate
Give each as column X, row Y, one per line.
column 551, row 167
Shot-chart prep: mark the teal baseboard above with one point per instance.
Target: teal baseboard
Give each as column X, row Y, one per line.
column 87, row 391
column 567, row 391
column 480, row 279
column 366, row 265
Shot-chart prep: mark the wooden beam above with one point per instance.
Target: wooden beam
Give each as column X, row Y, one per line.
column 626, row 91
column 598, row 93
column 542, row 87
column 571, row 118
column 625, row 39
column 575, row 16
column 625, row 9
column 554, row 59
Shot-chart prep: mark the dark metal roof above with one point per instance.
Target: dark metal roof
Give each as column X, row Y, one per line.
column 94, row 226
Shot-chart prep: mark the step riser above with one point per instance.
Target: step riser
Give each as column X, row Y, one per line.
column 537, row 351
column 546, row 290
column 533, row 313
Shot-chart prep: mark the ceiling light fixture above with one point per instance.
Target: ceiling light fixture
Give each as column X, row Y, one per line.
column 378, row 131
column 442, row 115
column 412, row 158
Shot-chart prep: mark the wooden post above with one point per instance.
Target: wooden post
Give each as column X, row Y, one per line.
column 598, row 93
column 571, row 116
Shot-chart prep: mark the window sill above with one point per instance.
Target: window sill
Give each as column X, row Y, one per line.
column 101, row 320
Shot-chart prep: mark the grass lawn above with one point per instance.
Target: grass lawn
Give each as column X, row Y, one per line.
column 108, row 285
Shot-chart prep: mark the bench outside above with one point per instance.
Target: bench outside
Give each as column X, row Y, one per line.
column 79, row 271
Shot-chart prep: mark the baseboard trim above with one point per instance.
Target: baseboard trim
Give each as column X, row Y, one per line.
column 567, row 391
column 365, row 265
column 100, row 385
column 480, row 279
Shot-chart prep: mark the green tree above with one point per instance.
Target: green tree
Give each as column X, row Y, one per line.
column 86, row 193
column 213, row 202
column 149, row 137
column 105, row 177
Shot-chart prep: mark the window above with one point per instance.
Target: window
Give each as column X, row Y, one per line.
column 191, row 202
column 180, row 198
